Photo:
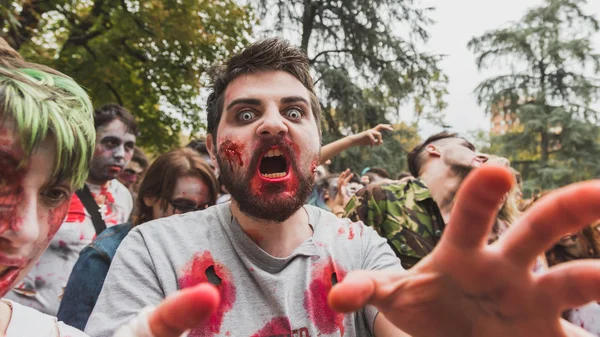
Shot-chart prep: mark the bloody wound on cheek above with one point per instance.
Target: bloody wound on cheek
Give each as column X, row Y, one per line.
column 232, row 151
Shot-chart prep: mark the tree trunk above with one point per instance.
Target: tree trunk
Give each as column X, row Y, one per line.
column 545, row 144
column 308, row 19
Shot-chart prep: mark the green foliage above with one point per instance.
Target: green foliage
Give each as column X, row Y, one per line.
column 547, row 94
column 364, row 71
column 148, row 55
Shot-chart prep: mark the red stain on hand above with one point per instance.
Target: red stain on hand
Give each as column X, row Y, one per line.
column 195, row 272
column 315, row 298
column 232, row 151
column 279, row 326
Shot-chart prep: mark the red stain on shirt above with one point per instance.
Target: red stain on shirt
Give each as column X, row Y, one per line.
column 76, row 210
column 351, row 233
column 279, row 326
column 315, row 298
column 341, row 230
column 195, row 272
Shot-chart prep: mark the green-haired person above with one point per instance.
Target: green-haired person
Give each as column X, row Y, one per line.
column 46, row 143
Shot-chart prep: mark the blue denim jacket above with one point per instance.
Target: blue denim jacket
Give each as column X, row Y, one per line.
column 88, row 276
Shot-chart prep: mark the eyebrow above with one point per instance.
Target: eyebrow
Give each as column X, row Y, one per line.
column 294, row 99
column 249, row 101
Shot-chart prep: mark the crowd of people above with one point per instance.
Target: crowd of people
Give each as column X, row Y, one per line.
column 247, row 232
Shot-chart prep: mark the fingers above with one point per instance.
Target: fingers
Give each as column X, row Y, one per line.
column 343, row 181
column 572, row 284
column 378, row 137
column 565, row 211
column 476, row 205
column 184, row 310
column 381, row 127
column 360, row 288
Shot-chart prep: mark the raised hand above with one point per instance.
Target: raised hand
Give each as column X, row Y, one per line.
column 468, row 288
column 372, row 137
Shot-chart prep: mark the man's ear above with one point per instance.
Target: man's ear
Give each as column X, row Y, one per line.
column 212, row 151
column 150, row 201
column 432, row 150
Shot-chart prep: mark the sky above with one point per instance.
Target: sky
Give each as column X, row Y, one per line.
column 457, row 21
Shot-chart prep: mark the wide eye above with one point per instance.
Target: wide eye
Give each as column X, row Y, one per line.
column 55, row 196
column 246, row 116
column 294, row 113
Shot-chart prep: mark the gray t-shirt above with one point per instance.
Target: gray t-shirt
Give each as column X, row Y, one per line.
column 261, row 295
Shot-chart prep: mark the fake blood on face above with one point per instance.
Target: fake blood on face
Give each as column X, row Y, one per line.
column 232, row 151
column 324, row 276
column 279, row 326
column 202, row 268
column 12, row 194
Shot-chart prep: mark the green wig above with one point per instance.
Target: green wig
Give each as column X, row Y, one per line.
column 43, row 102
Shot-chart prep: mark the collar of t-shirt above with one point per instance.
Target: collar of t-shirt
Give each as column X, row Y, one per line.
column 241, row 241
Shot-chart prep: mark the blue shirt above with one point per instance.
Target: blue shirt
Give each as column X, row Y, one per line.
column 87, row 277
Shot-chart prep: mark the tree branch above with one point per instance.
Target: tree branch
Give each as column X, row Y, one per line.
column 325, row 52
column 114, row 92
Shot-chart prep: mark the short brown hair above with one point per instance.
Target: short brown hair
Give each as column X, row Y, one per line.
column 109, row 112
column 266, row 55
column 161, row 178
column 415, row 159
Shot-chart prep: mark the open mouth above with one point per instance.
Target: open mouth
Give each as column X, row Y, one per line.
column 273, row 165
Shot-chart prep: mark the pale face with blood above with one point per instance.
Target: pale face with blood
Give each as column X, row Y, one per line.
column 268, row 144
column 32, row 207
column 114, row 149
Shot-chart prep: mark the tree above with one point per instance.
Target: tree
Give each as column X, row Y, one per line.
column 547, row 92
column 363, row 70
column 148, row 56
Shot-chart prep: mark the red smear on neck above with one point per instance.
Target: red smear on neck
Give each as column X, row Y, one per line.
column 315, row 298
column 195, row 273
column 278, row 326
column 232, row 151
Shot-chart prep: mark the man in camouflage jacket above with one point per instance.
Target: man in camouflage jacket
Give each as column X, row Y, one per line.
column 411, row 213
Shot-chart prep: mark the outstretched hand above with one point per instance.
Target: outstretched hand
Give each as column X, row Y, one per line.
column 372, row 137
column 468, row 288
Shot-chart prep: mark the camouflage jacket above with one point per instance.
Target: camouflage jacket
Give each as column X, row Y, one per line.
column 404, row 213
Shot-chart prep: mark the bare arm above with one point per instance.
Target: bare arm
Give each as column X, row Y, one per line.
column 372, row 137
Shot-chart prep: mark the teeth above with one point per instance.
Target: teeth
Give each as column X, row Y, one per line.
column 274, row 175
column 273, row 153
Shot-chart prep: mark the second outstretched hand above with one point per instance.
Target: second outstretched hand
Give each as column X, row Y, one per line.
column 184, row 310
column 468, row 288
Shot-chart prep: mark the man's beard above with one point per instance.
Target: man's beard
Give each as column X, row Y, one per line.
column 267, row 202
